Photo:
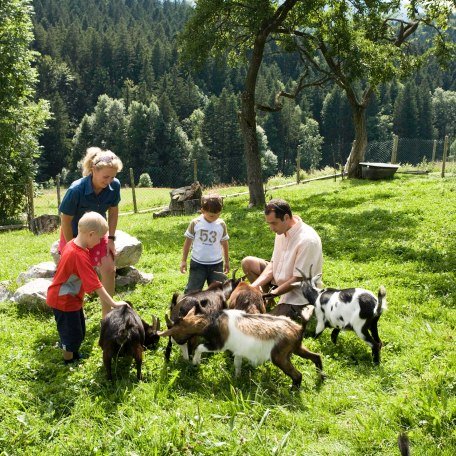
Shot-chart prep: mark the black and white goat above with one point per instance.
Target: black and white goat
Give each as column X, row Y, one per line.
column 353, row 309
column 258, row 338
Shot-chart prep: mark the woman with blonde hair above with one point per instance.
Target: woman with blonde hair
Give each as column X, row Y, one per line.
column 98, row 190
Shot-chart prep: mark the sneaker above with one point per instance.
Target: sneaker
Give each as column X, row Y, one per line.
column 76, row 357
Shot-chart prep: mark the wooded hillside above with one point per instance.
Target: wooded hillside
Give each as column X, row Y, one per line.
column 111, row 72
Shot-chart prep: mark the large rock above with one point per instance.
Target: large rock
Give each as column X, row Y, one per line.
column 129, row 250
column 131, row 276
column 33, row 294
column 44, row 224
column 45, row 270
column 5, row 294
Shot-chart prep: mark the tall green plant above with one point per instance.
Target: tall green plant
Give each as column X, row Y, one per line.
column 21, row 119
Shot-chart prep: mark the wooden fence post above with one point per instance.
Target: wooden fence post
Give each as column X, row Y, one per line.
column 195, row 170
column 132, row 183
column 445, row 153
column 394, row 151
column 57, row 183
column 434, row 150
column 31, row 208
column 298, row 168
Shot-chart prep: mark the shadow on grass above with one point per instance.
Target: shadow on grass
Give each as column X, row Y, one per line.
column 57, row 386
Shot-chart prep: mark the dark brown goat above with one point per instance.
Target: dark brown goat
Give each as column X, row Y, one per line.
column 247, row 298
column 213, row 299
column 124, row 333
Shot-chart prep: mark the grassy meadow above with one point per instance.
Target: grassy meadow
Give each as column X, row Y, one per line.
column 399, row 233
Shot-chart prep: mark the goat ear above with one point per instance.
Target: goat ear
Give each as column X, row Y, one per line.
column 192, row 311
column 174, row 299
column 296, row 284
column 199, row 307
column 316, row 280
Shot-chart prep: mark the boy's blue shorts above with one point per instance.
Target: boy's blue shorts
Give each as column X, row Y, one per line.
column 71, row 327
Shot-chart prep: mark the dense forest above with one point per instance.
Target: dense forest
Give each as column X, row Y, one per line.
column 113, row 78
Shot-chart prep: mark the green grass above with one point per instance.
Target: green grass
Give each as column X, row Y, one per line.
column 399, row 233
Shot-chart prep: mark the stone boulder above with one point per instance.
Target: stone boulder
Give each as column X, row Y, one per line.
column 131, row 276
column 44, row 224
column 5, row 294
column 45, row 270
column 33, row 294
column 129, row 250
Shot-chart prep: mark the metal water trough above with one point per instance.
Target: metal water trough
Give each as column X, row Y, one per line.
column 377, row 171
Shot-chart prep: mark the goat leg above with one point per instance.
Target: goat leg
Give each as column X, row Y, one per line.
column 237, row 365
column 335, row 332
column 168, row 349
column 138, row 356
column 285, row 365
column 107, row 361
column 305, row 353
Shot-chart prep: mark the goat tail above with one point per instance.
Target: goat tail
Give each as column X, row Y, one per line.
column 381, row 299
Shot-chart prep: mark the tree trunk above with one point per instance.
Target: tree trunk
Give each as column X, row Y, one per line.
column 248, row 126
column 359, row 149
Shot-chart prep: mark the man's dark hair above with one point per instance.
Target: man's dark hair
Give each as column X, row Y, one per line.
column 212, row 203
column 279, row 206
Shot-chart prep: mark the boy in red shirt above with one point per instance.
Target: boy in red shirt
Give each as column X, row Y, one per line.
column 74, row 277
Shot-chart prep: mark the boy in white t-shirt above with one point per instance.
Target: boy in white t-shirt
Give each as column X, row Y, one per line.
column 209, row 237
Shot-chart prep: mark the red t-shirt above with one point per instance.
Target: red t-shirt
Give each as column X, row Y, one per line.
column 74, row 277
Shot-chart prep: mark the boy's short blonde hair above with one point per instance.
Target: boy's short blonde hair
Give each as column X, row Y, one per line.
column 212, row 203
column 93, row 221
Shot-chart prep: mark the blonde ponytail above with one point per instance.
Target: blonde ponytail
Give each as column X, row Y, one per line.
column 98, row 158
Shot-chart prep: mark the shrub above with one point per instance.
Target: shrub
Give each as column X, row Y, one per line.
column 145, row 180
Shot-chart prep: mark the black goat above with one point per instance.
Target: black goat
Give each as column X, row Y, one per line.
column 124, row 333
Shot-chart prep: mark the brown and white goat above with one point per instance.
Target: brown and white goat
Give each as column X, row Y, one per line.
column 124, row 333
column 258, row 338
column 213, row 299
column 247, row 298
column 353, row 309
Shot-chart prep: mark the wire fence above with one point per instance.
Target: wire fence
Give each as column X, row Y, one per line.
column 45, row 197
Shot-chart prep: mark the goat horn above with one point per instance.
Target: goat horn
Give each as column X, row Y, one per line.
column 234, row 274
column 302, row 273
column 168, row 320
column 154, row 322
